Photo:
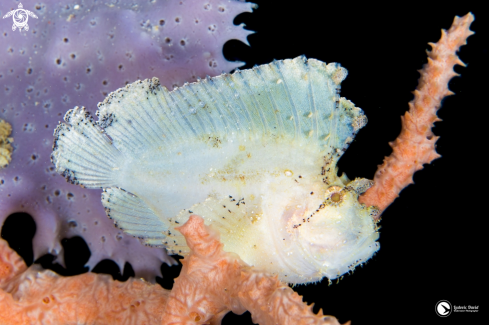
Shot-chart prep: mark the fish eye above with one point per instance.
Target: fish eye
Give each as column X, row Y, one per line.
column 334, row 195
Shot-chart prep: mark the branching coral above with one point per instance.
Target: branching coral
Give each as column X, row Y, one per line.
column 212, row 283
column 75, row 53
column 415, row 145
column 32, row 295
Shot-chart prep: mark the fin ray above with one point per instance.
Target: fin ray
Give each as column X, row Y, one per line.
column 82, row 152
column 133, row 216
column 298, row 98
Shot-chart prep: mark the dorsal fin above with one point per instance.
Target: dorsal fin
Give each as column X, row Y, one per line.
column 296, row 98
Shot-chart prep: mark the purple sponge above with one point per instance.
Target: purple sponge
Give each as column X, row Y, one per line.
column 75, row 54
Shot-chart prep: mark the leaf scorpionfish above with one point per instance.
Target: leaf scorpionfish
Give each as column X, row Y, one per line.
column 254, row 153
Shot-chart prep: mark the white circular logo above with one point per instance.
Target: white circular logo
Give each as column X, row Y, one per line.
column 443, row 308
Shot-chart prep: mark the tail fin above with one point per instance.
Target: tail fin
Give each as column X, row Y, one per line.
column 82, row 153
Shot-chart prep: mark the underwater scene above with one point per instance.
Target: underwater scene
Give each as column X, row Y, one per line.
column 232, row 162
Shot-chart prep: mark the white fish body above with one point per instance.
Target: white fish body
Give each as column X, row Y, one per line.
column 254, row 153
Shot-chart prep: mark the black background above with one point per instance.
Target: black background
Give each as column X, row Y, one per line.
column 432, row 235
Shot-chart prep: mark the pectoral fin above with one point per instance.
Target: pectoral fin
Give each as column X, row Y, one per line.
column 133, row 216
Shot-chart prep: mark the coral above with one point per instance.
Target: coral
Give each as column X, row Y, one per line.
column 76, row 53
column 415, row 145
column 88, row 298
column 5, row 144
column 212, row 283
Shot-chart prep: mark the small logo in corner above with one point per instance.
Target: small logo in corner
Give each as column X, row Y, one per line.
column 20, row 17
column 443, row 308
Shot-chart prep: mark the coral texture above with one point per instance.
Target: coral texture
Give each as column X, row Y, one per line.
column 212, row 283
column 75, row 54
column 415, row 145
column 5, row 146
column 32, row 296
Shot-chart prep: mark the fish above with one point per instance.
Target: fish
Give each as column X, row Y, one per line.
column 254, row 153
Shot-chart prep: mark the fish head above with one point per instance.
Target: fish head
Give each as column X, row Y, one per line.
column 335, row 233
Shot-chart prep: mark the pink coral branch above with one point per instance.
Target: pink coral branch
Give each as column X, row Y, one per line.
column 33, row 296
column 212, row 282
column 415, row 145
column 11, row 264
